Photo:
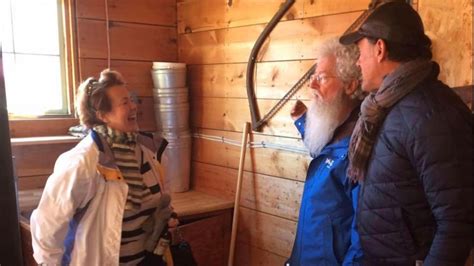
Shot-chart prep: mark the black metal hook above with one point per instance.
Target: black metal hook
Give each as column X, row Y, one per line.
column 251, row 63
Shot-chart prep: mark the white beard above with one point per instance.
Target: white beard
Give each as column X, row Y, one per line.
column 322, row 119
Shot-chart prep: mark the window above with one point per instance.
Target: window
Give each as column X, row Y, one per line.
column 37, row 67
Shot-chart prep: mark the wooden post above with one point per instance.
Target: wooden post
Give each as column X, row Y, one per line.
column 235, row 219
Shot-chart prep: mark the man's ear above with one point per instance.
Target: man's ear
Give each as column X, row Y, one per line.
column 351, row 87
column 380, row 50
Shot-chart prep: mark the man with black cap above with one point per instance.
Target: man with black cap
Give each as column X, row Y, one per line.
column 411, row 149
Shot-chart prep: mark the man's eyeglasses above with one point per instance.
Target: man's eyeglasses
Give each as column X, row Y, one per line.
column 321, row 79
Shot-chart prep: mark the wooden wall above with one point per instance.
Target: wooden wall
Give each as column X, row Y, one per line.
column 215, row 40
column 34, row 162
column 449, row 25
column 141, row 31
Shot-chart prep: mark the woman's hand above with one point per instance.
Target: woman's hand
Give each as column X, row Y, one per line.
column 173, row 222
column 298, row 110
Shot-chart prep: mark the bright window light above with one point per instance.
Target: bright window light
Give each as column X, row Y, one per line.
column 33, row 57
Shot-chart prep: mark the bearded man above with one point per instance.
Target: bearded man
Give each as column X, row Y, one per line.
column 325, row 233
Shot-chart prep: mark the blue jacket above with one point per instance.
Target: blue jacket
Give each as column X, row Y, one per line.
column 326, row 226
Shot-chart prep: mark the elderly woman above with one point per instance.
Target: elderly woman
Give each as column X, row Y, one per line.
column 104, row 202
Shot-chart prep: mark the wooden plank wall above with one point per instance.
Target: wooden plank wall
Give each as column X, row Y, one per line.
column 215, row 40
column 35, row 162
column 141, row 31
column 449, row 25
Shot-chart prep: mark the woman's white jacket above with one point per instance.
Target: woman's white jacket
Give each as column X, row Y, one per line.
column 79, row 217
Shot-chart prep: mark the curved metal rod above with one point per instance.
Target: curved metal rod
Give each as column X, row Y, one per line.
column 251, row 64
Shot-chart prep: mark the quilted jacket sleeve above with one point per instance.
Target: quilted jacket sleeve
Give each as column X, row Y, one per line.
column 440, row 147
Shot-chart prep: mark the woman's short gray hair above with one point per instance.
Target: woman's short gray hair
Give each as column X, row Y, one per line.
column 346, row 58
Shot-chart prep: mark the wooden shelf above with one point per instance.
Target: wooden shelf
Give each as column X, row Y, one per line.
column 192, row 203
column 186, row 204
column 44, row 140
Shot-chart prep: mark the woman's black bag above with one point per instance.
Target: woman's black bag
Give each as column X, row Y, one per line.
column 181, row 252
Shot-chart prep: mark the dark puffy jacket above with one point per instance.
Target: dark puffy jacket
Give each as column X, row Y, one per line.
column 416, row 201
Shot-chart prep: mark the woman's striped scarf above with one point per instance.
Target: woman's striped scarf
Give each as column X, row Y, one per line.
column 123, row 145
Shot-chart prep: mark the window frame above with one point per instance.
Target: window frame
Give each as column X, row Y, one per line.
column 51, row 125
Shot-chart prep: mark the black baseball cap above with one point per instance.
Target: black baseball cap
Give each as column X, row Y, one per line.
column 395, row 22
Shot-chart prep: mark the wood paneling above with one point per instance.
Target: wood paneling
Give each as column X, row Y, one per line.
column 158, row 12
column 324, row 8
column 268, row 194
column 136, row 74
column 266, row 232
column 142, row 42
column 91, row 38
column 90, row 9
column 230, row 114
column 288, row 41
column 449, row 24
column 35, row 160
column 223, row 80
column 127, row 41
column 200, row 15
column 32, row 182
column 247, row 255
column 204, row 15
column 214, row 180
column 266, row 161
column 209, row 239
column 228, row 80
column 41, row 127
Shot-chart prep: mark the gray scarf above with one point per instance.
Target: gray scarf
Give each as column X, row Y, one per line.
column 375, row 108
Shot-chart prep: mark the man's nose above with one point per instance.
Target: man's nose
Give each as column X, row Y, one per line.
column 313, row 84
